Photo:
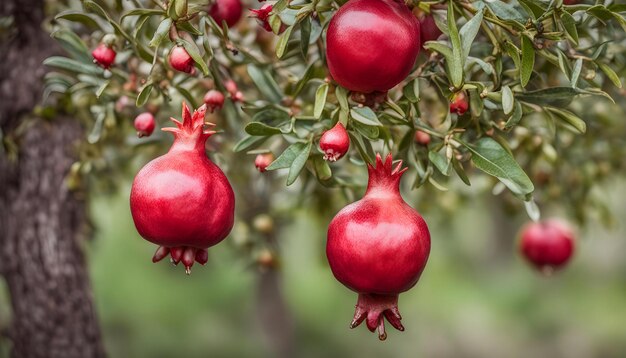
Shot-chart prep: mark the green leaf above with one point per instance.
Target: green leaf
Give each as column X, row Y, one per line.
column 576, row 72
column 507, row 99
column 142, row 12
column 469, row 31
column 283, row 40
column 320, row 99
column 440, row 162
column 305, row 36
column 188, row 27
column 144, row 94
column 286, row 159
column 555, row 96
column 456, row 67
column 322, row 169
column 298, row 164
column 458, row 168
column 101, row 89
column 180, row 8
column 188, row 96
column 490, row 157
column 265, row 83
column 161, row 32
column 569, row 118
column 608, row 71
column 73, row 44
column 569, row 24
column 365, row 115
column 248, row 142
column 412, row 91
column 515, row 117
column 73, row 65
column 260, row 129
column 528, row 60
column 80, row 17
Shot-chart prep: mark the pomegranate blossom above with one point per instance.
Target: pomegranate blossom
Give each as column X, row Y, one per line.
column 378, row 247
column 181, row 201
column 372, row 45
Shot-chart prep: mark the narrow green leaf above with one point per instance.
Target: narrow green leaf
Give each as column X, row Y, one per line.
column 569, row 24
column 608, row 71
column 469, row 31
column 73, row 65
column 365, row 115
column 458, row 61
column 260, row 129
column 144, row 95
column 507, row 99
column 80, row 17
column 286, row 159
column 298, row 164
column 265, row 83
column 73, row 45
column 320, row 99
column 161, row 32
column 283, row 40
column 440, row 162
column 248, row 142
column 569, row 118
column 528, row 60
column 194, row 52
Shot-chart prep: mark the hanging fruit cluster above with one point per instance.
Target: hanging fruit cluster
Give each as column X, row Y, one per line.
column 316, row 90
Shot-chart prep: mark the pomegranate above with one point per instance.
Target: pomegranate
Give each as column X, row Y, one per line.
column 226, row 10
column 180, row 60
column 422, row 138
column 181, row 201
column 104, row 55
column 459, row 103
column 429, row 29
column 335, row 143
column 262, row 161
column 214, row 100
column 378, row 247
column 372, row 45
column 547, row 245
column 144, row 124
column 570, row 2
column 262, row 16
column 235, row 94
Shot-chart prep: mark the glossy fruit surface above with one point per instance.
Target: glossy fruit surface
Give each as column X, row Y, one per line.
column 181, row 201
column 547, row 245
column 214, row 100
column 378, row 247
column 226, row 10
column 422, row 138
column 180, row 60
column 429, row 29
column 104, row 56
column 335, row 143
column 262, row 161
column 372, row 45
column 459, row 103
column 144, row 124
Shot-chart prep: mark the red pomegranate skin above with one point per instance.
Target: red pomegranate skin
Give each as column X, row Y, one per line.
column 459, row 103
column 180, row 60
column 571, row 2
column 104, row 56
column 226, row 10
column 547, row 245
column 181, row 201
column 422, row 138
column 429, row 30
column 378, row 247
column 262, row 161
column 214, row 100
column 372, row 45
column 144, row 124
column 335, row 143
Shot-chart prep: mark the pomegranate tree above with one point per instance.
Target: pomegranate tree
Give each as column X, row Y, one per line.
column 372, row 45
column 547, row 245
column 181, row 201
column 378, row 247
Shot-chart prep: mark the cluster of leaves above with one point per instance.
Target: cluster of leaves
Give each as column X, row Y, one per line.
column 525, row 66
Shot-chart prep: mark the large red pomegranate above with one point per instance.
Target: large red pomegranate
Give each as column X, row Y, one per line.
column 181, row 201
column 226, row 10
column 547, row 245
column 378, row 247
column 372, row 45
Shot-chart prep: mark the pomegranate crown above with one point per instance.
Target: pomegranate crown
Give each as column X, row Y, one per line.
column 193, row 126
column 385, row 174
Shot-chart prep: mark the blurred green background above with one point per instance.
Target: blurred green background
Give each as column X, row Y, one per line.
column 476, row 298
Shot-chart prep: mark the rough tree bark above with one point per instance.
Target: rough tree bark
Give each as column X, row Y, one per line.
column 41, row 222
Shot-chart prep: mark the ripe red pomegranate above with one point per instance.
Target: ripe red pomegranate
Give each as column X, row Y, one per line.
column 262, row 16
column 181, row 201
column 335, row 143
column 180, row 60
column 235, row 94
column 378, row 247
column 226, row 10
column 429, row 30
column 144, row 124
column 214, row 100
column 372, row 45
column 459, row 103
column 104, row 55
column 547, row 245
column 422, row 138
column 570, row 2
column 262, row 161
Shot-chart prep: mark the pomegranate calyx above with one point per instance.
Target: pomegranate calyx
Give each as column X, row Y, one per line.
column 192, row 129
column 373, row 309
column 385, row 174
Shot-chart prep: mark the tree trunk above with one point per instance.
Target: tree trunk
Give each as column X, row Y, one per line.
column 42, row 222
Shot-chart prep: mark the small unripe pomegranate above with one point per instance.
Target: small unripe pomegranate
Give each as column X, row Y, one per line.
column 180, row 60
column 335, row 142
column 104, row 55
column 429, row 29
column 547, row 245
column 262, row 161
column 570, row 2
column 181, row 201
column 214, row 100
column 459, row 103
column 262, row 16
column 378, row 247
column 231, row 87
column 226, row 10
column 422, row 138
column 372, row 45
column 144, row 124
